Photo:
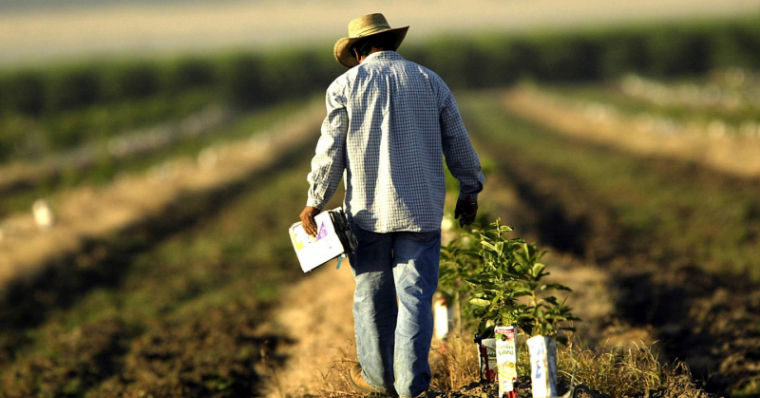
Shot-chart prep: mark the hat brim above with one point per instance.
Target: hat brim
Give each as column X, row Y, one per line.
column 342, row 48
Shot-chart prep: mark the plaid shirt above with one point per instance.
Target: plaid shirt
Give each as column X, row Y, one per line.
column 388, row 122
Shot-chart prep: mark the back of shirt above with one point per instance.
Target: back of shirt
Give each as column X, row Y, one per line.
column 394, row 120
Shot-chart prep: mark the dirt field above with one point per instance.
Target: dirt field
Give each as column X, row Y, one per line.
column 206, row 300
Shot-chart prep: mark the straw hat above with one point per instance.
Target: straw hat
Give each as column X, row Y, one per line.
column 359, row 28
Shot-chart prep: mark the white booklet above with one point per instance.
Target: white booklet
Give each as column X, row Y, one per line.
column 333, row 239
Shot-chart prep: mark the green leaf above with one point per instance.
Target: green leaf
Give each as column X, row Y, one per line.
column 537, row 269
column 556, row 286
column 480, row 302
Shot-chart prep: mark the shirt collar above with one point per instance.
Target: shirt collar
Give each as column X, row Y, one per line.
column 383, row 55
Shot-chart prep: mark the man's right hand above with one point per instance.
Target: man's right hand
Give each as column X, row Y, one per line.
column 466, row 209
column 307, row 220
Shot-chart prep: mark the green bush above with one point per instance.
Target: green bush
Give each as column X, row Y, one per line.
column 74, row 88
column 242, row 83
column 135, row 80
column 24, row 92
column 189, row 73
column 669, row 50
column 623, row 53
column 251, row 79
column 673, row 51
column 736, row 45
column 569, row 58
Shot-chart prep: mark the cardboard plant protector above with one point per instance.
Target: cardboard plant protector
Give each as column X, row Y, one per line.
column 487, row 359
column 506, row 360
column 543, row 366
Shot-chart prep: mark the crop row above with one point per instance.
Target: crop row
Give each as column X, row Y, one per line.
column 662, row 50
column 732, row 89
column 102, row 161
column 35, row 138
column 251, row 78
column 695, row 104
column 664, row 210
column 244, row 78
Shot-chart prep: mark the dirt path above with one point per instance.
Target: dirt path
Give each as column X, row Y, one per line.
column 316, row 313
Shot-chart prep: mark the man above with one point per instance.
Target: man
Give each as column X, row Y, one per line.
column 388, row 123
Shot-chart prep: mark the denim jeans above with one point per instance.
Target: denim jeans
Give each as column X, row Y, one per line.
column 396, row 275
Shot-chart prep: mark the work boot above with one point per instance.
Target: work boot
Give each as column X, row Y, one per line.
column 360, row 384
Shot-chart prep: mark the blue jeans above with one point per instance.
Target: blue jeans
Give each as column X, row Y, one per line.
column 396, row 275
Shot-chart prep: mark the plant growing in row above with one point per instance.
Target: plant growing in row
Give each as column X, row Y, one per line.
column 500, row 281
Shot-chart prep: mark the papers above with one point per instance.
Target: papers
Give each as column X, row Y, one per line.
column 333, row 239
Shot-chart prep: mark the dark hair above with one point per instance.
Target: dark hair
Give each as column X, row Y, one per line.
column 383, row 41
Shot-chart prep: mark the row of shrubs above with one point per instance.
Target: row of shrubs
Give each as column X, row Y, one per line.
column 661, row 50
column 245, row 78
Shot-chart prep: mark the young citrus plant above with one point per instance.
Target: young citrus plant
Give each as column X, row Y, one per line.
column 500, row 281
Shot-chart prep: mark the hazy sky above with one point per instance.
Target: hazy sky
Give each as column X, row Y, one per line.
column 37, row 32
column 26, row 5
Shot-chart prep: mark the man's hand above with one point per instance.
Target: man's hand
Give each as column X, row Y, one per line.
column 466, row 209
column 307, row 220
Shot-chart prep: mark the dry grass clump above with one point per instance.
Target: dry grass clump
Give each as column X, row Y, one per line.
column 619, row 373
column 454, row 363
column 629, row 372
column 335, row 379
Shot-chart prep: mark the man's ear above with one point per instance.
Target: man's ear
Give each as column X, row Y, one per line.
column 357, row 56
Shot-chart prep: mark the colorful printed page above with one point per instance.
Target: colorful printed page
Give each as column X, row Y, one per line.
column 315, row 251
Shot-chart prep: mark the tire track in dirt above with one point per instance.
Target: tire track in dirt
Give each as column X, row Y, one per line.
column 709, row 321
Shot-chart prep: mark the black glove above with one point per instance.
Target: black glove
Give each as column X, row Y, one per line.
column 466, row 209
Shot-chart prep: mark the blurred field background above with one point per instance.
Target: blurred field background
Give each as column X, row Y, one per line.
column 41, row 29
column 153, row 153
